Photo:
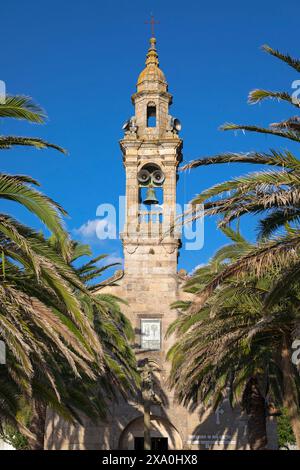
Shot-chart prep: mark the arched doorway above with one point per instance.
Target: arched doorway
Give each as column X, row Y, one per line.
column 160, row 428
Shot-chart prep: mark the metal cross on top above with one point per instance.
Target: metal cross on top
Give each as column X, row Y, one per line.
column 152, row 22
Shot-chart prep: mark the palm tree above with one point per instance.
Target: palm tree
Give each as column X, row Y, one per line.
column 273, row 194
column 18, row 188
column 111, row 326
column 230, row 341
column 41, row 320
column 117, row 374
column 67, row 347
column 227, row 343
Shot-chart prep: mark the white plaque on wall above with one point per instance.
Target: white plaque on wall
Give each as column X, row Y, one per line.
column 150, row 334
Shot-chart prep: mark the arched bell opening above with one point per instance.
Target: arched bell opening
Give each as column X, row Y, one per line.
column 151, row 115
column 151, row 179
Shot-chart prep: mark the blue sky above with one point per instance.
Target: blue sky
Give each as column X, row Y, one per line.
column 80, row 61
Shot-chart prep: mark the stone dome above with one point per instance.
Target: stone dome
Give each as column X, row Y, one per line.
column 152, row 72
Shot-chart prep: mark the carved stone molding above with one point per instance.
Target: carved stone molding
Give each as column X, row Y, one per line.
column 130, row 248
column 170, row 248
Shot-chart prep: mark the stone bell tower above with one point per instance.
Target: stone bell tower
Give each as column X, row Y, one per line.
column 151, row 150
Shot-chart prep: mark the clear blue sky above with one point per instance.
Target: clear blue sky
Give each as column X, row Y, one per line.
column 80, row 61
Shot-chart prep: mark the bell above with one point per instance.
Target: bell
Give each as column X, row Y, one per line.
column 150, row 197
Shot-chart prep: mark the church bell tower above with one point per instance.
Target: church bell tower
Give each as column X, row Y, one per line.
column 150, row 284
column 151, row 151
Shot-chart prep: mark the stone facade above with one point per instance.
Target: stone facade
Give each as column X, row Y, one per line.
column 150, row 283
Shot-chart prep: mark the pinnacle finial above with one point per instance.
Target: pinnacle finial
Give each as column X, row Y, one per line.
column 152, row 43
column 152, row 56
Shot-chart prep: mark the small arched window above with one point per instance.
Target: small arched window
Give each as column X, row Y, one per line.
column 151, row 115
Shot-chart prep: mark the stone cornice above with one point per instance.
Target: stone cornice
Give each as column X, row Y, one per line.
column 139, row 240
column 176, row 143
column 152, row 93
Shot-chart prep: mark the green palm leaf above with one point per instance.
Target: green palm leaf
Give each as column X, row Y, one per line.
column 294, row 63
column 291, row 135
column 22, row 107
column 256, row 96
column 6, row 142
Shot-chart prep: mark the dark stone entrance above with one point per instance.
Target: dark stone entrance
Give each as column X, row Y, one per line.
column 158, row 444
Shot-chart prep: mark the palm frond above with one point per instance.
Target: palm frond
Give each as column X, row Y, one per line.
column 48, row 211
column 294, row 63
column 275, row 158
column 258, row 260
column 292, row 124
column 277, row 219
column 22, row 107
column 256, row 96
column 6, row 142
column 291, row 135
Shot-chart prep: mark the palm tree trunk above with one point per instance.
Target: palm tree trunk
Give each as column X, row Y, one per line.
column 37, row 425
column 290, row 395
column 255, row 406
